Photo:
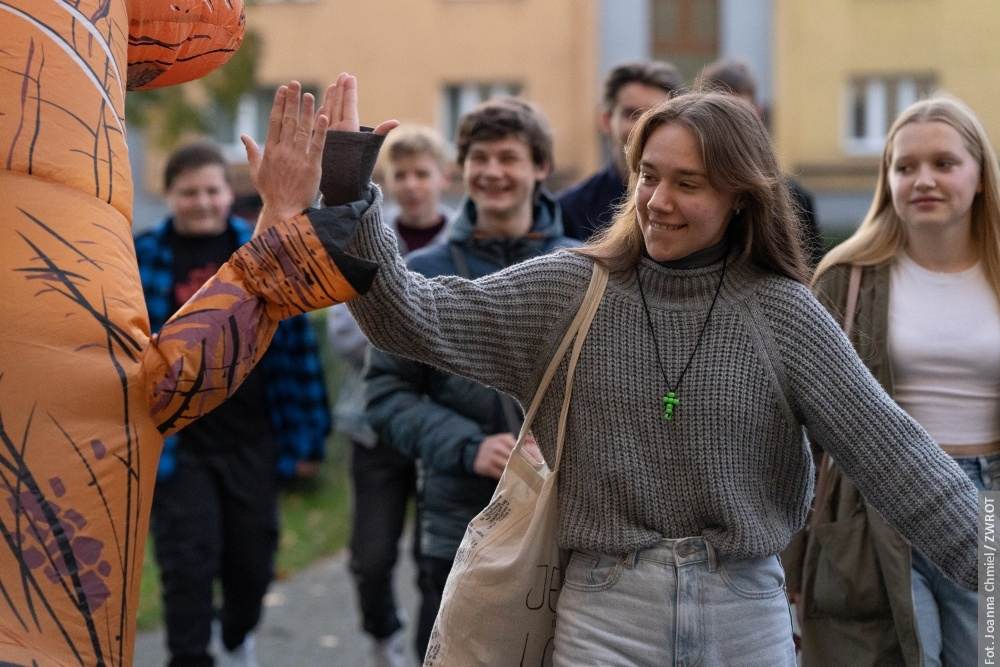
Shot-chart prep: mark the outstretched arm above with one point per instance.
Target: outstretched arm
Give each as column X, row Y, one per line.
column 901, row 472
column 209, row 346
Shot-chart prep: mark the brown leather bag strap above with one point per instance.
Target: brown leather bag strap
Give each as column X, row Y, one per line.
column 825, row 462
column 853, row 288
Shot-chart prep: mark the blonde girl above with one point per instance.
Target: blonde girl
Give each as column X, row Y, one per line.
column 927, row 324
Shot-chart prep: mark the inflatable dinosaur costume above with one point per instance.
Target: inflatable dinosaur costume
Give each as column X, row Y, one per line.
column 86, row 394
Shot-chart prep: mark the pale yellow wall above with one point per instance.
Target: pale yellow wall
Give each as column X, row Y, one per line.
column 820, row 44
column 404, row 51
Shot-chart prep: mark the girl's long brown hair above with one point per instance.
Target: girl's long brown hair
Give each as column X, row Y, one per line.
column 738, row 157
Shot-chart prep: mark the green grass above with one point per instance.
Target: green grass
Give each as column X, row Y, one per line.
column 315, row 515
column 150, row 612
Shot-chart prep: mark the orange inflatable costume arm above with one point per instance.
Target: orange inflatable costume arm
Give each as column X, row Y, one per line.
column 210, row 345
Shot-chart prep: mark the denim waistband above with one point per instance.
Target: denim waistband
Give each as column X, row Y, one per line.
column 677, row 552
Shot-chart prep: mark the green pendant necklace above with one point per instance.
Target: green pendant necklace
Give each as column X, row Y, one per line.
column 670, row 401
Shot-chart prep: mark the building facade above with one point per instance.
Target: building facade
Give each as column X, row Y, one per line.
column 844, row 69
column 429, row 61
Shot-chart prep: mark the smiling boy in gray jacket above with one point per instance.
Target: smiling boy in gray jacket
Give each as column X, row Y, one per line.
column 460, row 432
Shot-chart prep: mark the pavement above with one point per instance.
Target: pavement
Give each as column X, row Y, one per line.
column 310, row 620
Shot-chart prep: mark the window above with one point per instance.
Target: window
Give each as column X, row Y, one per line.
column 685, row 33
column 873, row 102
column 251, row 117
column 460, row 98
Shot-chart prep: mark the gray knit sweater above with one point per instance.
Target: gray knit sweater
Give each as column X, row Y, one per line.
column 733, row 466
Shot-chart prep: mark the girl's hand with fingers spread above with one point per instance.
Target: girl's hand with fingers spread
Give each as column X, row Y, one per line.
column 287, row 172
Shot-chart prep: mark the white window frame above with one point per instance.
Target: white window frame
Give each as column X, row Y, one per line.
column 244, row 123
column 251, row 120
column 878, row 117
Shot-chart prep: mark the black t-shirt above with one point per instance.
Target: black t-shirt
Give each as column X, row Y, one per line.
column 243, row 419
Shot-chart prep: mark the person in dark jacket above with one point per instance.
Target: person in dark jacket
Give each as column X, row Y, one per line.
column 417, row 166
column 629, row 90
column 215, row 508
column 460, row 432
column 735, row 77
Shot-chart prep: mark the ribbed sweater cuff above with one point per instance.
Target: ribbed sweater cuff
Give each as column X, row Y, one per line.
column 348, row 161
column 335, row 226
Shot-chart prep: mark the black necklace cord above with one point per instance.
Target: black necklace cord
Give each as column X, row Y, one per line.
column 652, row 331
column 701, row 334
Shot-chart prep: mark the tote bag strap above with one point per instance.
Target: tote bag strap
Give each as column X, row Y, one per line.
column 825, row 462
column 581, row 337
column 577, row 329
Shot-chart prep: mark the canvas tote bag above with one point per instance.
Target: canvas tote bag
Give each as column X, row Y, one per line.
column 498, row 606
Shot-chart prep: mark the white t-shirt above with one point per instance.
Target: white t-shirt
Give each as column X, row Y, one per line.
column 944, row 347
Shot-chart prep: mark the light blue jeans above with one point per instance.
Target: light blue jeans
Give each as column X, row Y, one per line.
column 947, row 614
column 676, row 604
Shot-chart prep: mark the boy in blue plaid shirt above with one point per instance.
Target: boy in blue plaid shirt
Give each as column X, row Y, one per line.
column 215, row 504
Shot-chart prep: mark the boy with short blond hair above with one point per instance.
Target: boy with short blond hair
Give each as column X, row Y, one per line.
column 410, row 140
column 417, row 167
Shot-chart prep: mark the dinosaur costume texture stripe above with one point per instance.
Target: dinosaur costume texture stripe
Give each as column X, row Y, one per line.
column 86, row 394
